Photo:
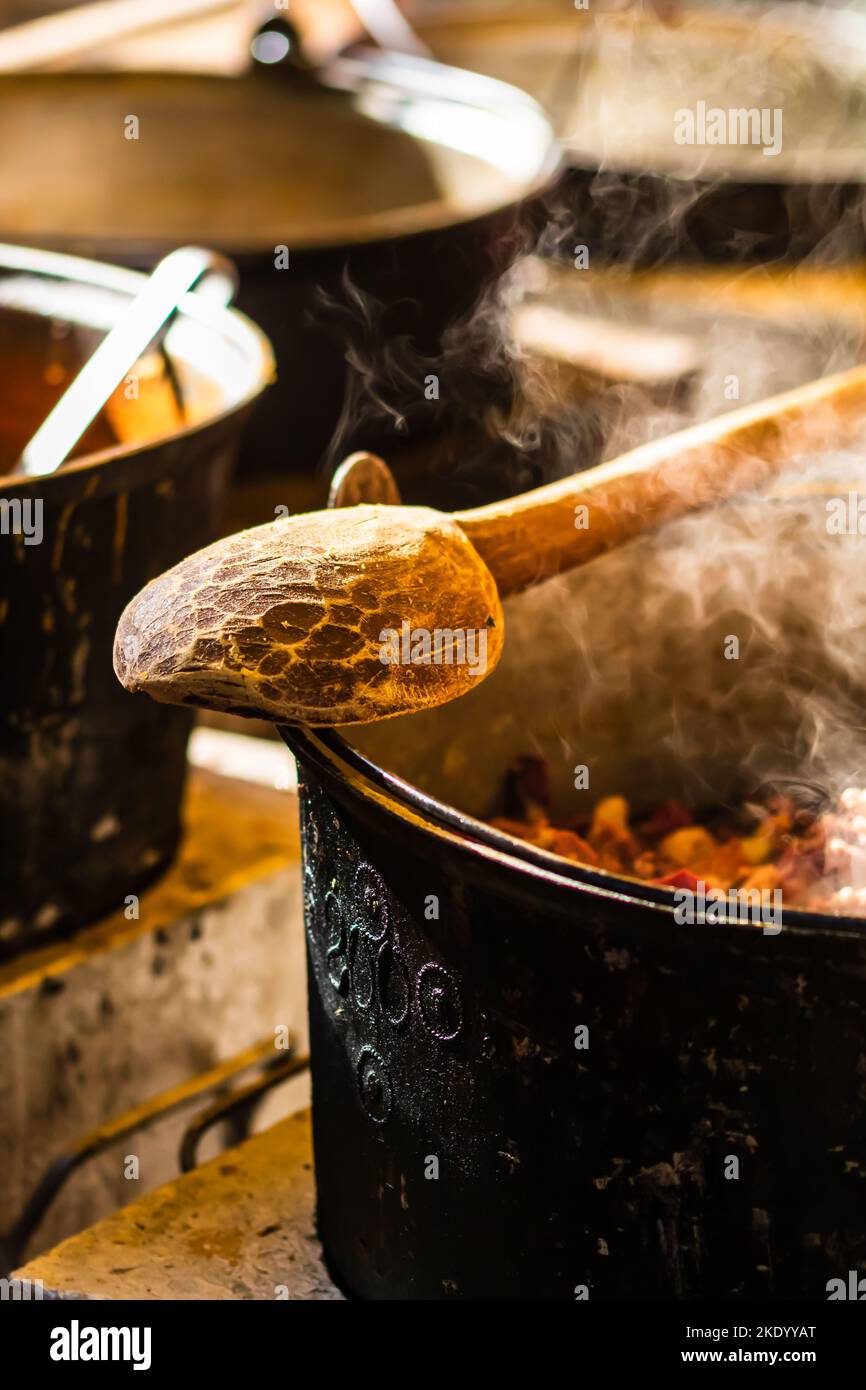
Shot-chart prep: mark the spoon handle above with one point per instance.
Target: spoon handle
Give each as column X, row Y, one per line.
column 526, row 539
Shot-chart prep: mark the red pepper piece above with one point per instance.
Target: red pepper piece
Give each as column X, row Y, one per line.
column 680, row 878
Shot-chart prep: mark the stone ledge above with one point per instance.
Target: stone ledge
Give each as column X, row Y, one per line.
column 239, row 1227
column 128, row 1009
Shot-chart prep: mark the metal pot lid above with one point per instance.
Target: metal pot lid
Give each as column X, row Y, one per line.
column 258, row 163
column 618, row 86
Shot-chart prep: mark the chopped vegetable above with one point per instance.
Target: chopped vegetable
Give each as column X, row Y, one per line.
column 768, row 843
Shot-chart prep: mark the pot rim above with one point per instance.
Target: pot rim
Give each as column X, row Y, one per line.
column 382, row 75
column 332, row 755
column 232, row 325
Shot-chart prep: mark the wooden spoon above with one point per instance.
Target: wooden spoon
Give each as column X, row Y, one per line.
column 331, row 617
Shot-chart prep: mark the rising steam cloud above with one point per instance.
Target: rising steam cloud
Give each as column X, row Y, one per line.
column 625, row 666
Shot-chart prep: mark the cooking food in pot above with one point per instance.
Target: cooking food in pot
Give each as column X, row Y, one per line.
column 773, row 842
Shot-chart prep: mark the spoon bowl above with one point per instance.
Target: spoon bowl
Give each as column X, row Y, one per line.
column 333, row 617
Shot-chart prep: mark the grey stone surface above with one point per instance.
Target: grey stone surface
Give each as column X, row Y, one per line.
column 239, row 1227
column 127, row 1009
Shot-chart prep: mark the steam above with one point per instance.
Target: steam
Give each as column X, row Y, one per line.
column 740, row 637
column 723, row 655
column 500, row 421
column 626, row 666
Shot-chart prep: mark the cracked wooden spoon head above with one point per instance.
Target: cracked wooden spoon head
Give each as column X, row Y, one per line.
column 336, row 617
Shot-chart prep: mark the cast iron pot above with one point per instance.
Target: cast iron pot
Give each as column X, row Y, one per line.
column 91, row 781
column 614, row 83
column 391, row 196
column 710, row 1140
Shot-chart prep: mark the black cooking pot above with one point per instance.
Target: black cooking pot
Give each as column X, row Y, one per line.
column 90, row 781
column 365, row 215
column 615, row 83
column 706, row 1136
